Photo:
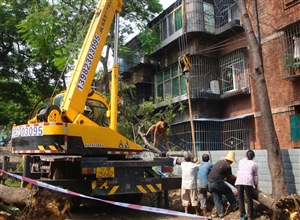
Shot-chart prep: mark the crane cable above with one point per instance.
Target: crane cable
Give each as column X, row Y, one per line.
column 184, row 63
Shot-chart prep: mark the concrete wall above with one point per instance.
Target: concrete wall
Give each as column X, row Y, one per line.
column 291, row 162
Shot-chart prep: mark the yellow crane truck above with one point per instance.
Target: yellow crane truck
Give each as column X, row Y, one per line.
column 71, row 139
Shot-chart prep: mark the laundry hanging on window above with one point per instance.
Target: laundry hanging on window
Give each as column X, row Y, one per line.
column 296, row 48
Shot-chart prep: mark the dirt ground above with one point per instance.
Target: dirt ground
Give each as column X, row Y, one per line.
column 175, row 204
column 99, row 210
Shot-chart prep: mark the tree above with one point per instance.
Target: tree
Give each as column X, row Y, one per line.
column 135, row 119
column 279, row 187
column 17, row 84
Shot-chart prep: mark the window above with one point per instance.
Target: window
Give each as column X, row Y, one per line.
column 233, row 72
column 294, row 127
column 178, row 19
column 209, row 17
column 170, row 19
column 291, row 49
column 164, row 29
column 295, row 122
column 226, row 12
column 171, row 23
column 170, row 81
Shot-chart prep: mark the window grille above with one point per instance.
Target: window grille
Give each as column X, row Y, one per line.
column 291, row 50
column 204, row 77
column 210, row 134
column 226, row 11
column 232, row 69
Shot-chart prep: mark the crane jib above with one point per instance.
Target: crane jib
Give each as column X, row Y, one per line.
column 88, row 62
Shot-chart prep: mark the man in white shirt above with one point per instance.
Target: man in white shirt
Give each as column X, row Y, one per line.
column 188, row 184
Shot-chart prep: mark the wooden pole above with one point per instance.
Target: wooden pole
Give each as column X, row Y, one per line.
column 191, row 113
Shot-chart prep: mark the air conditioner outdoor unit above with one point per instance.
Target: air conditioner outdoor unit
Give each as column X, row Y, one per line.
column 214, row 86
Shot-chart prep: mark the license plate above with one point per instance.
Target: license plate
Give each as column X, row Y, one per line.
column 105, row 172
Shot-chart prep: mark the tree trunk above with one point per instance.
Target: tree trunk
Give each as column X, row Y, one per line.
column 36, row 204
column 279, row 187
column 152, row 148
column 18, row 197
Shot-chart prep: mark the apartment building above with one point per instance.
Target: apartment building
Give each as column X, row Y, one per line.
column 224, row 102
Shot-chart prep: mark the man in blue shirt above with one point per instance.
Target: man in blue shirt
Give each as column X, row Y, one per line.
column 204, row 170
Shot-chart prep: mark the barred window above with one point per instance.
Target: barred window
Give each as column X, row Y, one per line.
column 291, row 49
column 233, row 71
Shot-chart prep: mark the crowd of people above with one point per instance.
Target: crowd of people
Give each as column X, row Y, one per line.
column 214, row 178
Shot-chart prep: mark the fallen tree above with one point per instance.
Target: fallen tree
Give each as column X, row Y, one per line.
column 284, row 208
column 36, row 203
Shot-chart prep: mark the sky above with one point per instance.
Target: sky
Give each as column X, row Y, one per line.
column 166, row 3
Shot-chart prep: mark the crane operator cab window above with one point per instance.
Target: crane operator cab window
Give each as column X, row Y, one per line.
column 96, row 111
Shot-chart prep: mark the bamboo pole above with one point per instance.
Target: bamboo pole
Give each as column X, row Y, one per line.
column 191, row 113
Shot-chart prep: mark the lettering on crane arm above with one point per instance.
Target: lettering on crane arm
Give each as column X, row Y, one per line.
column 88, row 63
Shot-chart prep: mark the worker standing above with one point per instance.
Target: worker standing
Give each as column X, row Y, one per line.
column 217, row 185
column 247, row 177
column 160, row 131
column 204, row 170
column 188, row 184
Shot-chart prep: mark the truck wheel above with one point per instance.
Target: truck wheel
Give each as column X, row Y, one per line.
column 53, row 114
column 58, row 174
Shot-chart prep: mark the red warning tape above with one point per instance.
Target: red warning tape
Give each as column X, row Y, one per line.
column 122, row 204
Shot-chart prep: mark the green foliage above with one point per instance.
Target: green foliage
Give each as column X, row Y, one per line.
column 13, row 183
column 133, row 116
column 290, row 62
column 10, row 209
column 150, row 40
column 127, row 54
column 139, row 12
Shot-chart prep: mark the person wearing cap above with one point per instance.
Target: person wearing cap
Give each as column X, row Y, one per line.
column 220, row 171
column 247, row 177
column 160, row 131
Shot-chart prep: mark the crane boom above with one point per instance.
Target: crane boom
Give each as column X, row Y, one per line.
column 83, row 74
